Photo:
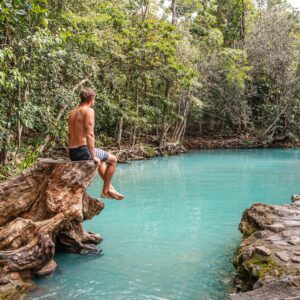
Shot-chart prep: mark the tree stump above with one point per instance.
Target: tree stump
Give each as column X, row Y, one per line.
column 41, row 209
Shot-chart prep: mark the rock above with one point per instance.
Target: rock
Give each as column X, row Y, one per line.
column 43, row 206
column 280, row 243
column 282, row 255
column 276, row 227
column 292, row 223
column 295, row 259
column 288, row 233
column 294, row 240
column 263, row 250
column 271, row 272
column 297, row 203
column 258, row 234
column 274, row 290
column 295, row 197
column 287, row 212
column 257, row 285
column 274, row 238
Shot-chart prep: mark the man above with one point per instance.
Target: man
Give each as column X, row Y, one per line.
column 82, row 142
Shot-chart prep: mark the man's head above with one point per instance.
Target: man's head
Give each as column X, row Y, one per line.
column 87, row 96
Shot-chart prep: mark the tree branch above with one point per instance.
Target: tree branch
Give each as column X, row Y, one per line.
column 62, row 110
column 276, row 120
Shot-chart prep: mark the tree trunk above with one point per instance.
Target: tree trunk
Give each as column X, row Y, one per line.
column 145, row 10
column 176, row 131
column 243, row 22
column 137, row 114
column 20, row 129
column 164, row 128
column 279, row 114
column 200, row 127
column 173, row 9
column 39, row 208
column 6, row 138
column 181, row 128
column 120, row 131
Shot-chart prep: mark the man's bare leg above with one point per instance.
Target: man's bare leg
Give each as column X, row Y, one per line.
column 101, row 170
column 107, row 172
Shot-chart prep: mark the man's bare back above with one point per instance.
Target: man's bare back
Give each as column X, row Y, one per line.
column 77, row 130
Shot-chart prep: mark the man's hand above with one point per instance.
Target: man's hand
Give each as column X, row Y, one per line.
column 96, row 160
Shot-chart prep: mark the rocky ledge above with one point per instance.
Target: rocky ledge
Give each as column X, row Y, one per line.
column 42, row 210
column 268, row 259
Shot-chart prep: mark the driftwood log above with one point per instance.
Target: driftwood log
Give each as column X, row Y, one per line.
column 41, row 210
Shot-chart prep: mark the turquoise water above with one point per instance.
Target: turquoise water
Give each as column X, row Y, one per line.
column 175, row 235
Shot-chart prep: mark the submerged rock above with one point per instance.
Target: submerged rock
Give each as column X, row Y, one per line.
column 40, row 209
column 272, row 270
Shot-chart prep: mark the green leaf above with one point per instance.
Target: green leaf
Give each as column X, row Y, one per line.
column 45, row 22
column 20, row 12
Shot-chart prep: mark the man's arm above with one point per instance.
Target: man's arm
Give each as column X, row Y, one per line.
column 69, row 133
column 89, row 124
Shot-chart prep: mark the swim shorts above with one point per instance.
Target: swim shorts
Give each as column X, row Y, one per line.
column 83, row 153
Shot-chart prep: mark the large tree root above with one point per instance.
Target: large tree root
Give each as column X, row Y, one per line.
column 40, row 209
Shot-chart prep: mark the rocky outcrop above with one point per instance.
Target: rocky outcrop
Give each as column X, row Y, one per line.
column 40, row 210
column 268, row 260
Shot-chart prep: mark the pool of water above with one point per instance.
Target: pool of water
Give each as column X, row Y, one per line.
column 175, row 234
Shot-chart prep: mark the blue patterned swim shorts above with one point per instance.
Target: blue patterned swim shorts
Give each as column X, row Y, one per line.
column 83, row 153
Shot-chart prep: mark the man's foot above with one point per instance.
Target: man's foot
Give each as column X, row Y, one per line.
column 106, row 195
column 112, row 194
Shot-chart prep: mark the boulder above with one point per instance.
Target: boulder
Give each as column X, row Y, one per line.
column 272, row 270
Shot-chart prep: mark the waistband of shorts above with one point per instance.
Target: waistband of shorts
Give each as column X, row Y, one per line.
column 80, row 147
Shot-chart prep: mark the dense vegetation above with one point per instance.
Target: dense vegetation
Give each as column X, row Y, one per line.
column 163, row 70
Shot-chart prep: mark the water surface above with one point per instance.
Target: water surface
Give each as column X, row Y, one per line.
column 175, row 235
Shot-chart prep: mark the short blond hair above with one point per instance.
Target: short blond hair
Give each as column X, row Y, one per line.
column 86, row 94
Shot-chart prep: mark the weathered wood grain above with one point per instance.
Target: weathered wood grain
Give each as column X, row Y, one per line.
column 41, row 210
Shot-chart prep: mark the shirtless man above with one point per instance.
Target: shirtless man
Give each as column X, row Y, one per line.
column 82, row 142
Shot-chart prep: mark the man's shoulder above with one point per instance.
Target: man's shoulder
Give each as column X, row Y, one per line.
column 88, row 113
column 88, row 110
column 83, row 110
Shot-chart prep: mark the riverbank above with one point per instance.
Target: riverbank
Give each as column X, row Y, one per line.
column 20, row 161
column 268, row 259
column 241, row 142
column 128, row 153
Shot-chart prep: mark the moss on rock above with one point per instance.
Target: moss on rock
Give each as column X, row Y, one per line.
column 247, row 229
column 262, row 266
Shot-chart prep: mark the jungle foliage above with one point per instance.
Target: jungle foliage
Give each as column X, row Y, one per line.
column 163, row 70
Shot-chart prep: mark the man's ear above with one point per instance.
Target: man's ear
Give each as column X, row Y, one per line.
column 90, row 100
